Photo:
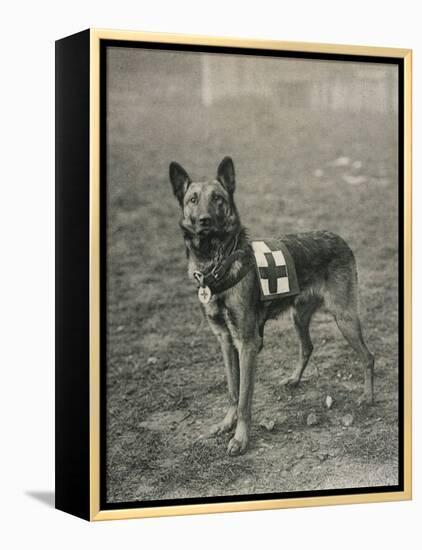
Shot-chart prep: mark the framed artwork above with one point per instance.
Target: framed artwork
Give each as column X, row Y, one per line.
column 233, row 274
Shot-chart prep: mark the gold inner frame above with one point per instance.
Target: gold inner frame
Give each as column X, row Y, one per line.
column 124, row 513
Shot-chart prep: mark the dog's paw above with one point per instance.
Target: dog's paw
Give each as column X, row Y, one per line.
column 225, row 425
column 236, row 448
column 290, row 381
column 366, row 399
column 220, row 429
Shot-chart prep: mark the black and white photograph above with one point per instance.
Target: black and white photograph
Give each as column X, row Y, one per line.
column 252, row 274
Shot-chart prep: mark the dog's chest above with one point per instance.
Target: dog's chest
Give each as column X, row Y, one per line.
column 219, row 313
column 214, row 309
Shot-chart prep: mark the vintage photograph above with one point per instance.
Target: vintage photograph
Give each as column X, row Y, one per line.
column 252, row 274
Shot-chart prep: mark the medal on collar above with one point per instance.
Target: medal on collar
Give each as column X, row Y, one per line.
column 204, row 292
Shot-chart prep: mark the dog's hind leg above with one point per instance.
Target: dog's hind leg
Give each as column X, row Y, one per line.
column 341, row 299
column 350, row 327
column 302, row 313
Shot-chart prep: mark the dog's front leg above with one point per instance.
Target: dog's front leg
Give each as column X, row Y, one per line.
column 231, row 364
column 248, row 350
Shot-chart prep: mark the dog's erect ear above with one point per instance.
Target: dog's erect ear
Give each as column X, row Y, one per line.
column 180, row 181
column 225, row 174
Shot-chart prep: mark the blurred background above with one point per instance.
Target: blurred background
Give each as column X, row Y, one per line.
column 198, row 80
column 315, row 146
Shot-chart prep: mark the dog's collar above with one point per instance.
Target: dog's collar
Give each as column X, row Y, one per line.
column 216, row 279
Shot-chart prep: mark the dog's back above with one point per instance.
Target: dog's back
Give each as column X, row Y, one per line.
column 325, row 266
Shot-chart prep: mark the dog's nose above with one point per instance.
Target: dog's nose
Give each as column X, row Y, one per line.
column 204, row 220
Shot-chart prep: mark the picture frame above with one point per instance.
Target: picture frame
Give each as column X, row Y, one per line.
column 83, row 160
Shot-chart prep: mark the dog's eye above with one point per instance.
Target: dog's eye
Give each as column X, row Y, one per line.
column 193, row 199
column 217, row 199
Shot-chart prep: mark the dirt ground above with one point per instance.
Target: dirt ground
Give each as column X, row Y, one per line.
column 296, row 171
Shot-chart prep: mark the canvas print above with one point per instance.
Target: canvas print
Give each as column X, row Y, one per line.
column 252, row 275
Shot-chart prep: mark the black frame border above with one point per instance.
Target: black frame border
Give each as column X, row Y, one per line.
column 72, row 277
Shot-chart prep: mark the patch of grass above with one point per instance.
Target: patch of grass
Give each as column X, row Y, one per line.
column 207, row 461
column 132, row 458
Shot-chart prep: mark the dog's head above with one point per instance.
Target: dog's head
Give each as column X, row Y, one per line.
column 208, row 208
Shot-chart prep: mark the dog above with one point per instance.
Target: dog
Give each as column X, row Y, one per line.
column 220, row 263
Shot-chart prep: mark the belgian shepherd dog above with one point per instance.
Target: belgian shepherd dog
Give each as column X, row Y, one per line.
column 219, row 256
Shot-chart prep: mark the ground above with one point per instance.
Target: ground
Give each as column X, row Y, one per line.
column 296, row 171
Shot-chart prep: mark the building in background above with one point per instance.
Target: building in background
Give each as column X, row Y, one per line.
column 300, row 83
